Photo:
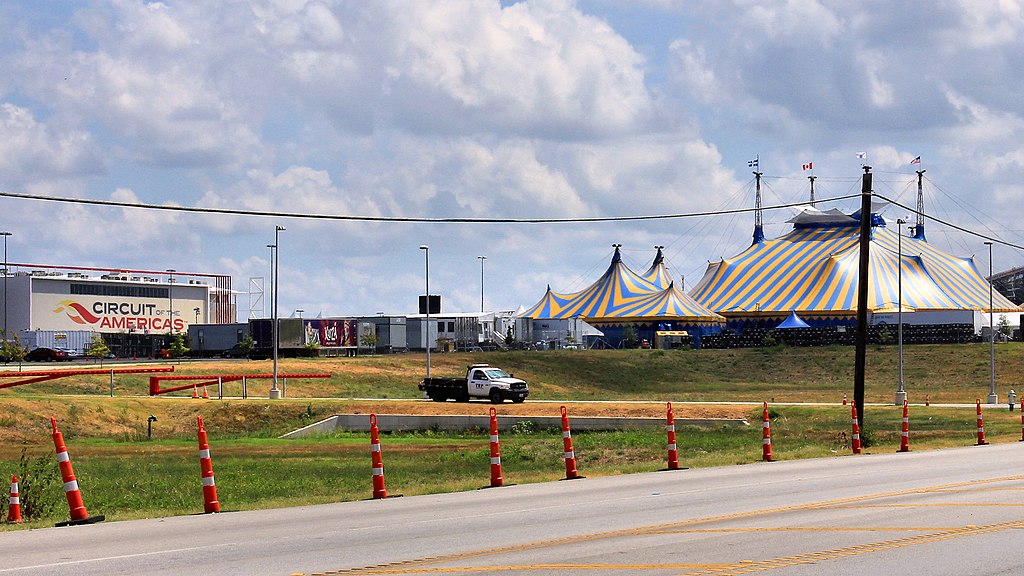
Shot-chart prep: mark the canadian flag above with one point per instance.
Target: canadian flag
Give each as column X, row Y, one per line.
column 809, row 166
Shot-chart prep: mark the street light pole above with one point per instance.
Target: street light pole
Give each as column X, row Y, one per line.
column 482, row 258
column 275, row 392
column 6, row 274
column 993, row 398
column 901, row 394
column 170, row 297
column 426, row 276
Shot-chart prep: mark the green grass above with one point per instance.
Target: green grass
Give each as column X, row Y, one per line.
column 137, row 479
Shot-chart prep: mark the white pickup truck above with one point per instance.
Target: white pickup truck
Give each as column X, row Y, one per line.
column 481, row 381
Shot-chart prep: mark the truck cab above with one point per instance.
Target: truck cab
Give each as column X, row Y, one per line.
column 486, row 381
column 481, row 381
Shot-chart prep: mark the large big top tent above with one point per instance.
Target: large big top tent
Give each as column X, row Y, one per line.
column 621, row 298
column 813, row 271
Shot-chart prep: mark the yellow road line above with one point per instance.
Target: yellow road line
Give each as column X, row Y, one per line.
column 656, row 528
column 933, row 505
column 807, row 529
column 535, row 567
column 747, row 568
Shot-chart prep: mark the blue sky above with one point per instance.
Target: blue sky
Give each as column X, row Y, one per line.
column 475, row 108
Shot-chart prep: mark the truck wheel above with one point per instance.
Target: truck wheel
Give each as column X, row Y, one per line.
column 495, row 396
column 463, row 397
column 439, row 397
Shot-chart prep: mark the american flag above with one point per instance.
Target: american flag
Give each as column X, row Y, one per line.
column 916, row 160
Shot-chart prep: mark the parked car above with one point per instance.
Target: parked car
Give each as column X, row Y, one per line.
column 43, row 354
column 236, row 351
column 71, row 354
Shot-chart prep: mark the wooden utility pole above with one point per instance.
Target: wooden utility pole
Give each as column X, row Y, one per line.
column 862, row 295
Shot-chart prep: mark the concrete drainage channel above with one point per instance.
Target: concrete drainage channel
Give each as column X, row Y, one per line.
column 408, row 423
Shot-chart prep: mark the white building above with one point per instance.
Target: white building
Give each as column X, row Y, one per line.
column 64, row 306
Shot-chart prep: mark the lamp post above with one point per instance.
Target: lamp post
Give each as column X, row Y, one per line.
column 426, row 276
column 6, row 274
column 275, row 392
column 299, row 312
column 482, row 258
column 901, row 394
column 993, row 398
column 270, row 298
column 196, row 310
column 170, row 297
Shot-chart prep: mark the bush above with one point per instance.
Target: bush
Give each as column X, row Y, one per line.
column 40, row 488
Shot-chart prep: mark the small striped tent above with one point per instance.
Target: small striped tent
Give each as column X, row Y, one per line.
column 621, row 299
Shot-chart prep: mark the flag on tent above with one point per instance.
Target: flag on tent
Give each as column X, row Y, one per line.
column 916, row 160
column 809, row 166
column 753, row 163
column 862, row 154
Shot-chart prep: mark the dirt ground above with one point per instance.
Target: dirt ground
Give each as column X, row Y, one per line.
column 528, row 408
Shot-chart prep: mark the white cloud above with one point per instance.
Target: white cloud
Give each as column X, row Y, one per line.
column 29, row 149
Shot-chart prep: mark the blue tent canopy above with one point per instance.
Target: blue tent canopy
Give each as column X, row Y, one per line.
column 793, row 321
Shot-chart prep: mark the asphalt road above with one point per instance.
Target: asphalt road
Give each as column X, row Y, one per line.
column 958, row 511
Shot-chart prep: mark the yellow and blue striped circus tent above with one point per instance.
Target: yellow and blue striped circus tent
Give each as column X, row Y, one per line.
column 621, row 298
column 813, row 271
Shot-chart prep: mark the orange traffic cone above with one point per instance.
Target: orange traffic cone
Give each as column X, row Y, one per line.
column 766, row 436
column 981, row 427
column 210, row 502
column 195, row 391
column 670, row 430
column 379, row 491
column 855, row 442
column 844, row 399
column 569, row 454
column 905, row 432
column 206, row 395
column 71, row 491
column 14, row 510
column 496, row 478
column 1022, row 421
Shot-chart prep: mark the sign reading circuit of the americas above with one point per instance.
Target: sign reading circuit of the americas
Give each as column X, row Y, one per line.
column 106, row 306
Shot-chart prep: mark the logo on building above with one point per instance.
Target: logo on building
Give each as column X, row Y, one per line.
column 121, row 315
column 76, row 312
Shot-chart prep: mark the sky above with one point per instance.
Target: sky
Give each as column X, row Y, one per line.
column 492, row 110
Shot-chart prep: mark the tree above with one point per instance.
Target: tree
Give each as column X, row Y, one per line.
column 179, row 347
column 247, row 344
column 1003, row 326
column 97, row 348
column 630, row 337
column 12, row 350
column 369, row 340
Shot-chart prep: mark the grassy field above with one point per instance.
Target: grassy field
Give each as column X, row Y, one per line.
column 946, row 373
column 124, row 475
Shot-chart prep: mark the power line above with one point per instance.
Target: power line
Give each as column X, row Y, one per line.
column 392, row 219
column 951, row 225
column 420, row 219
